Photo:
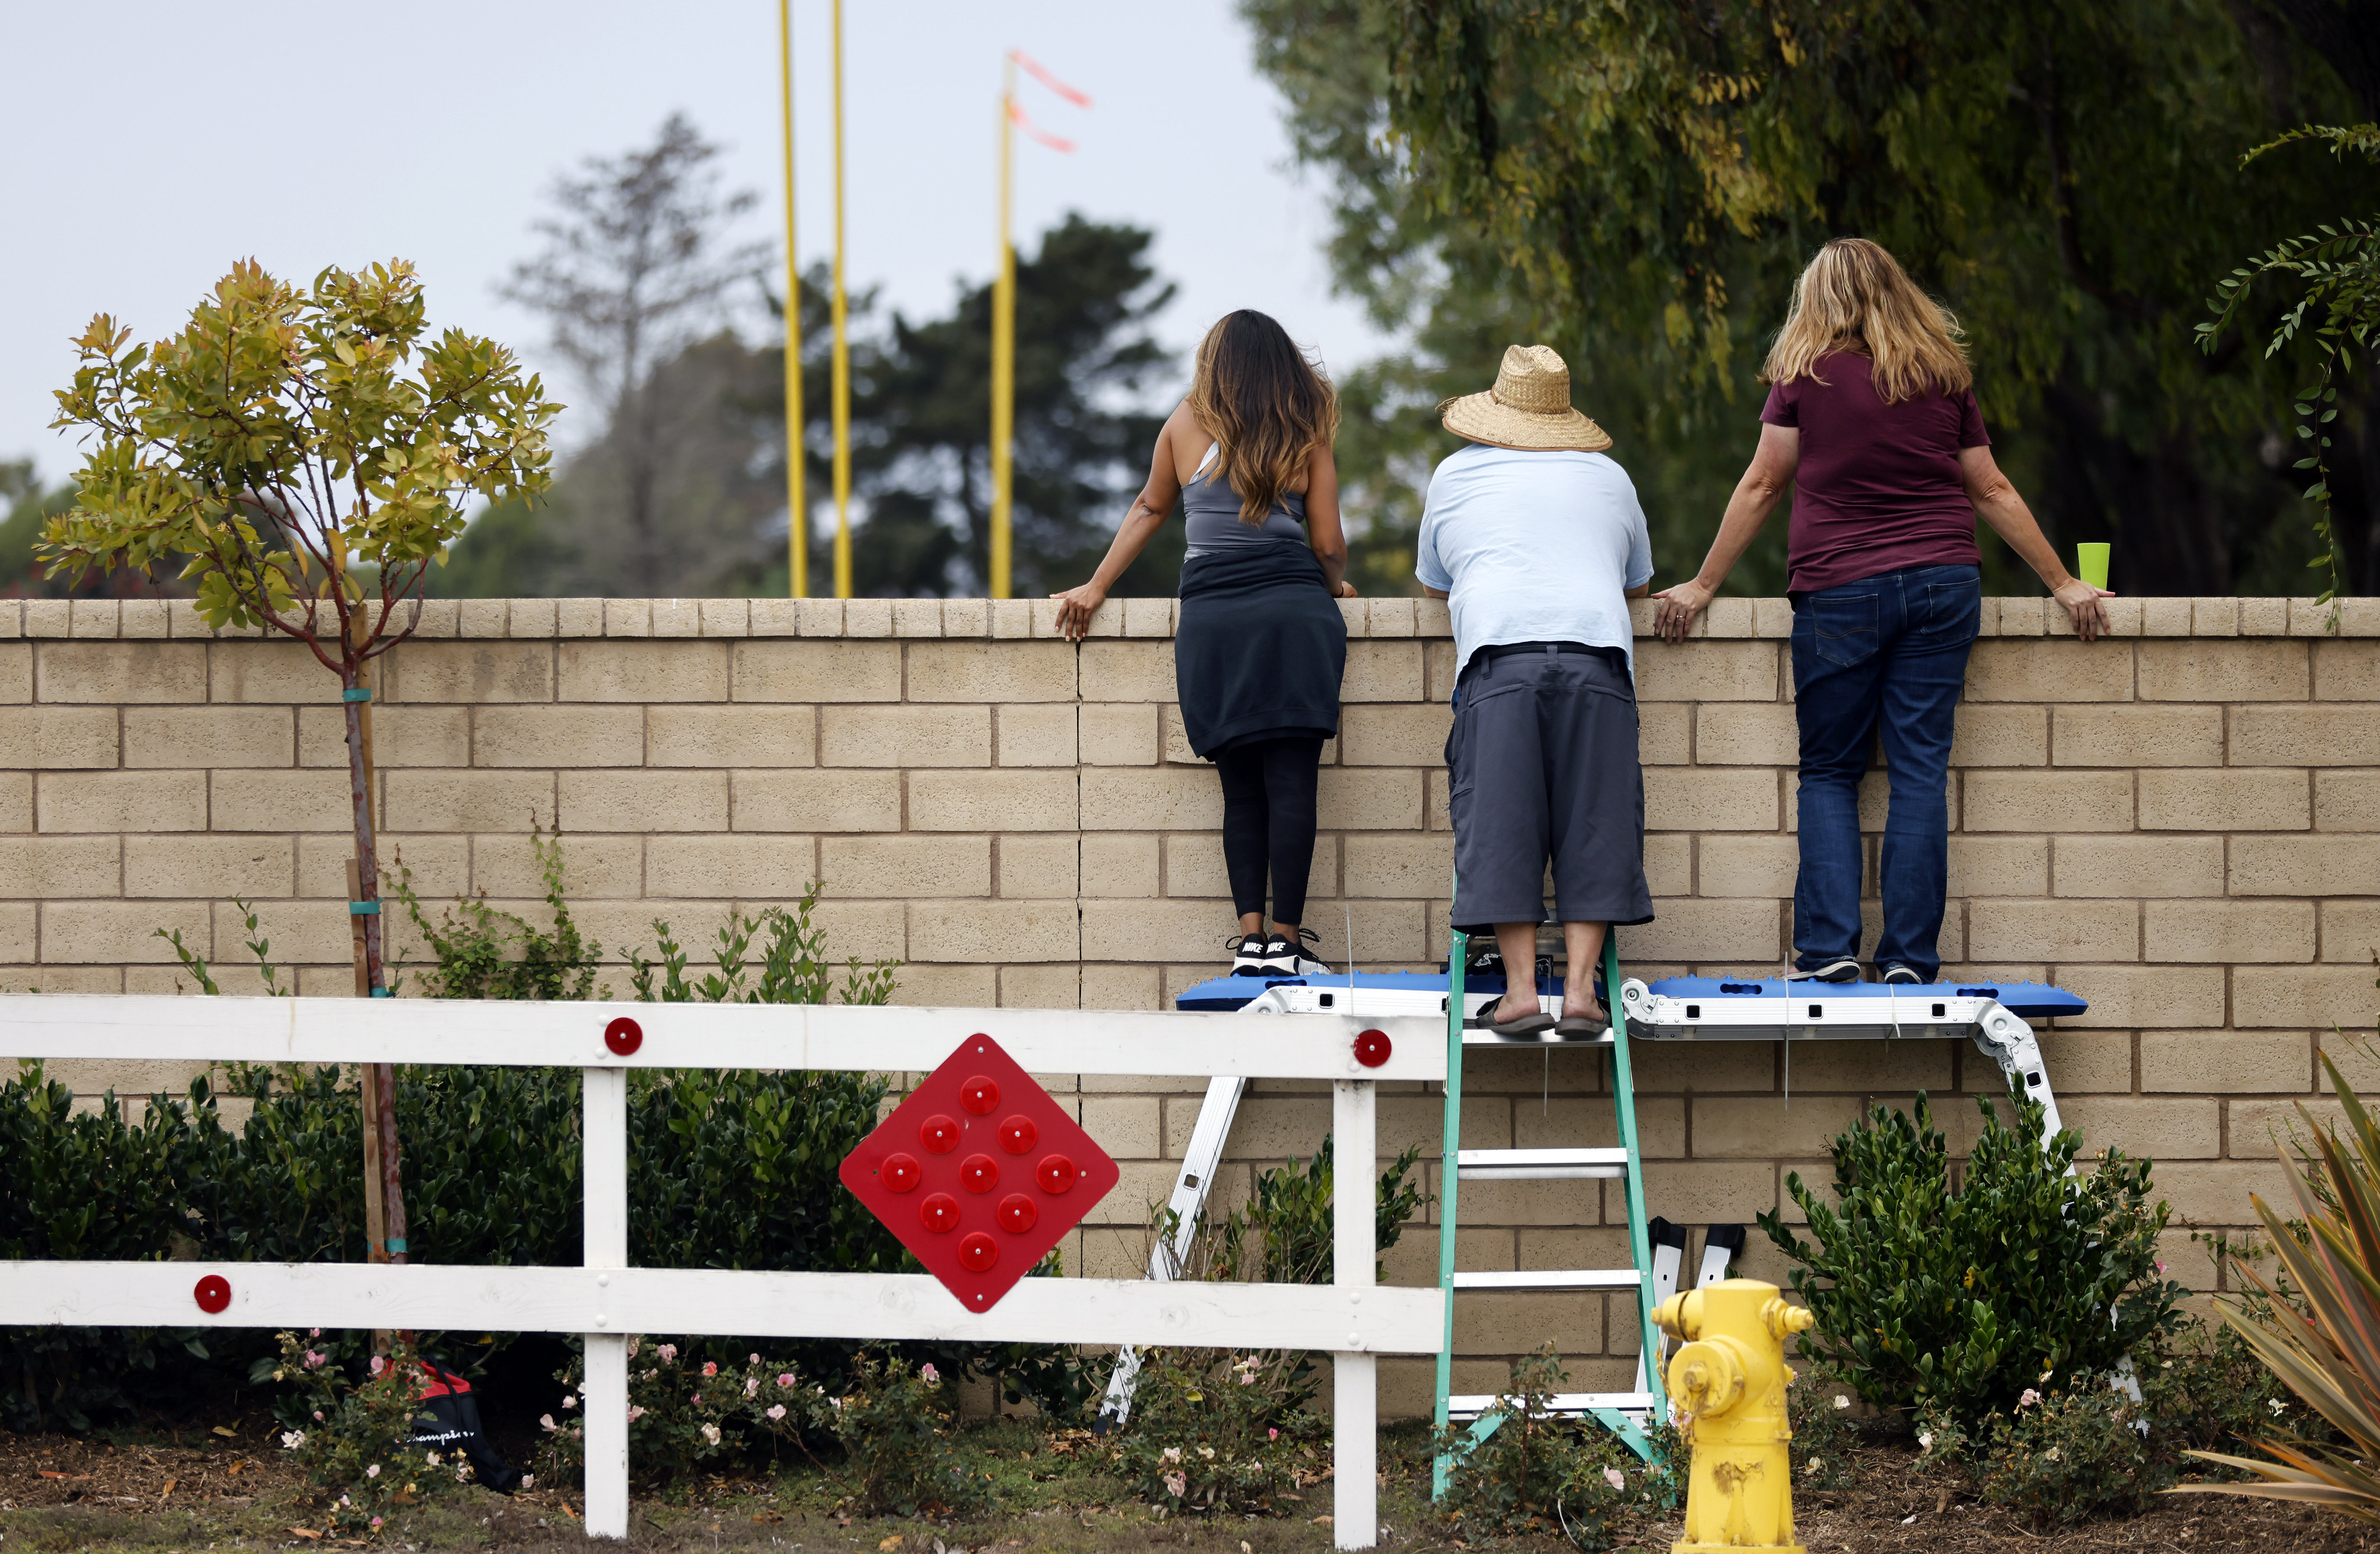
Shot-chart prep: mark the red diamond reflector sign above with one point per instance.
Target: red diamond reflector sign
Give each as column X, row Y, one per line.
column 979, row 1172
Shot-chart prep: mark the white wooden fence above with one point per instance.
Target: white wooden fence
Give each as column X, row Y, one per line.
column 607, row 1300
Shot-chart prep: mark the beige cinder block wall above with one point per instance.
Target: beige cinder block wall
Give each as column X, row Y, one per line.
column 2182, row 824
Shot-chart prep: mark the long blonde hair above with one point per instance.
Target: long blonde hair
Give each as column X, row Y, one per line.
column 1266, row 408
column 1855, row 296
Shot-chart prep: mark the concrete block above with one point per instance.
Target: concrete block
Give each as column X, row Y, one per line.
column 1412, row 734
column 905, row 736
column 112, row 932
column 822, row 617
column 118, row 801
column 907, row 867
column 54, row 868
column 1006, row 933
column 2139, row 866
column 1665, row 733
column 2316, row 734
column 1746, row 733
column 1750, row 931
column 2215, row 616
column 2350, row 932
column 2049, row 670
column 1119, row 865
column 1669, row 863
column 2138, row 736
column 1743, row 866
column 674, row 671
column 2053, row 931
column 1405, row 867
column 1360, row 798
column 1118, row 733
column 480, row 618
column 2347, row 800
column 1193, row 867
column 1020, row 800
column 816, row 801
column 812, row 669
column 17, row 801
column 966, row 617
column 2047, row 801
column 47, row 617
column 1127, row 670
column 609, row 867
column 1392, row 617
column 917, row 617
column 649, row 801
column 1120, row 987
column 1140, row 930
column 1992, row 733
column 1387, row 670
column 627, row 617
column 1037, row 735
column 2346, row 671
column 985, row 672
column 724, row 617
column 2228, row 932
column 441, row 867
column 203, row 867
column 2161, row 1128
column 2224, row 800
column 319, row 798
column 1998, row 865
column 146, row 673
column 1012, row 619
column 1439, row 666
column 1039, row 867
column 15, row 668
column 2165, row 617
column 531, row 619
column 437, row 619
column 143, row 619
column 2263, row 617
column 2315, row 997
column 97, row 618
column 469, row 801
column 2217, row 1192
column 209, row 736
column 567, row 736
column 1685, row 798
column 747, row 736
column 1168, row 799
column 2143, row 997
column 475, row 672
column 62, row 739
column 2201, row 669
column 1763, row 1127
column 578, row 617
column 2305, row 865
column 1041, row 987
column 775, row 617
column 2224, row 1063
column 1707, row 670
column 735, row 867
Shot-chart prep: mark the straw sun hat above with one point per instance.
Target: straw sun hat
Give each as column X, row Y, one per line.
column 1529, row 408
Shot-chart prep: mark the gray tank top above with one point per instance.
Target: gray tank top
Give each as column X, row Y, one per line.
column 1211, row 513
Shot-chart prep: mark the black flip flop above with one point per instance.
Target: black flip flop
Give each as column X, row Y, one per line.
column 1583, row 1026
column 1534, row 1023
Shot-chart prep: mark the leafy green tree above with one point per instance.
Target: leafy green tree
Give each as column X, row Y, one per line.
column 306, row 453
column 30, row 506
column 1639, row 186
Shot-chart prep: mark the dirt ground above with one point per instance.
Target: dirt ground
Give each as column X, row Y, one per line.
column 227, row 1486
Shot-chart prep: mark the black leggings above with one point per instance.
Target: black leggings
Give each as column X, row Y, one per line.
column 1268, row 819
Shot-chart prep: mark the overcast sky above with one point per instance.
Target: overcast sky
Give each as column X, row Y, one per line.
column 150, row 145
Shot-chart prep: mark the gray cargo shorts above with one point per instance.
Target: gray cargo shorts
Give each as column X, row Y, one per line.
column 1543, row 762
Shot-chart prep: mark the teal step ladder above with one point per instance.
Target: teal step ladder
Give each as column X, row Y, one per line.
column 1627, row 1414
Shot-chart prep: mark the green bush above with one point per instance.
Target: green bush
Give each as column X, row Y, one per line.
column 1962, row 1300
column 1212, row 1431
column 2065, row 1456
column 352, row 1439
column 1542, row 1473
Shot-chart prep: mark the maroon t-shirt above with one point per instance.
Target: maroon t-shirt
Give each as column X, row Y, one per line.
column 1878, row 488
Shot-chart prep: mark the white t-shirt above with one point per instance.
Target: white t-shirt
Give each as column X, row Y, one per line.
column 1534, row 547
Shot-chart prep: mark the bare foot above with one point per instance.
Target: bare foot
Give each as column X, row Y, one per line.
column 1508, row 1011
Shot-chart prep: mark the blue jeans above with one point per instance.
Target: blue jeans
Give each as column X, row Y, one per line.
column 1888, row 652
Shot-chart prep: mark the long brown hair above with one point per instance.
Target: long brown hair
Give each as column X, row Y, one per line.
column 1855, row 296
column 1266, row 406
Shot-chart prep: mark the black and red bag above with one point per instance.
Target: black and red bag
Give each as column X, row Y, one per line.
column 449, row 1422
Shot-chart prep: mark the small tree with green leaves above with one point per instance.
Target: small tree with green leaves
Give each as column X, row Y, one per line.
column 307, row 454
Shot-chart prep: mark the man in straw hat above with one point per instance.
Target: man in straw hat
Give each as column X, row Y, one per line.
column 1537, row 540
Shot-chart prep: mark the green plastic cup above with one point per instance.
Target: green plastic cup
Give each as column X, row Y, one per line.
column 2091, row 563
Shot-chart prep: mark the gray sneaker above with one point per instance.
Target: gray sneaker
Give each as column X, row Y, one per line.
column 1843, row 968
column 1899, row 973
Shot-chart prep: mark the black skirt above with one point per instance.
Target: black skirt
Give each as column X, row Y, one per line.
column 1261, row 647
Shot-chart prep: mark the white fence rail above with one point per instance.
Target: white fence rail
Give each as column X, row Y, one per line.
column 606, row 1300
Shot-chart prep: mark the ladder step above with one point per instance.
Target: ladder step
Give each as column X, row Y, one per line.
column 1551, row 1279
column 1472, row 1405
column 1540, row 1165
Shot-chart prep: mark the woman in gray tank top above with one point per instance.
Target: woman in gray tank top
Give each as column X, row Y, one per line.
column 1261, row 647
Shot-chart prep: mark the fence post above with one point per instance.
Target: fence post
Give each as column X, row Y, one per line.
column 603, row 1136
column 1355, row 1213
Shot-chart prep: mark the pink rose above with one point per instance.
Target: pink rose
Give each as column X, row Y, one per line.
column 930, row 1373
column 755, row 1359
column 377, row 1362
column 668, row 1352
column 776, row 1411
column 372, row 1472
column 376, row 1519
column 635, row 1411
column 2029, row 1398
column 751, row 1385
column 313, row 1333
column 1614, row 1477
column 313, row 1360
column 1176, row 1484
column 547, row 1420
column 1273, row 1435
column 697, row 1399
column 711, row 1368
column 784, row 1379
column 569, row 1400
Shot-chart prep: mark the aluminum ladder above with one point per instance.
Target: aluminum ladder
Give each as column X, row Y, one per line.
column 1625, row 1414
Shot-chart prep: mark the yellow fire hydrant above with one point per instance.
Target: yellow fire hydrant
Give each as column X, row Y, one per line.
column 1729, row 1378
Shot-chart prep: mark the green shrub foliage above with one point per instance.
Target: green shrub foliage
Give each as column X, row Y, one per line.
column 1542, row 1473
column 1962, row 1300
column 1217, row 1432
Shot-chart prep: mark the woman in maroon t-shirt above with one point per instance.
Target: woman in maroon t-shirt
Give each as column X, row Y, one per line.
column 1872, row 416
